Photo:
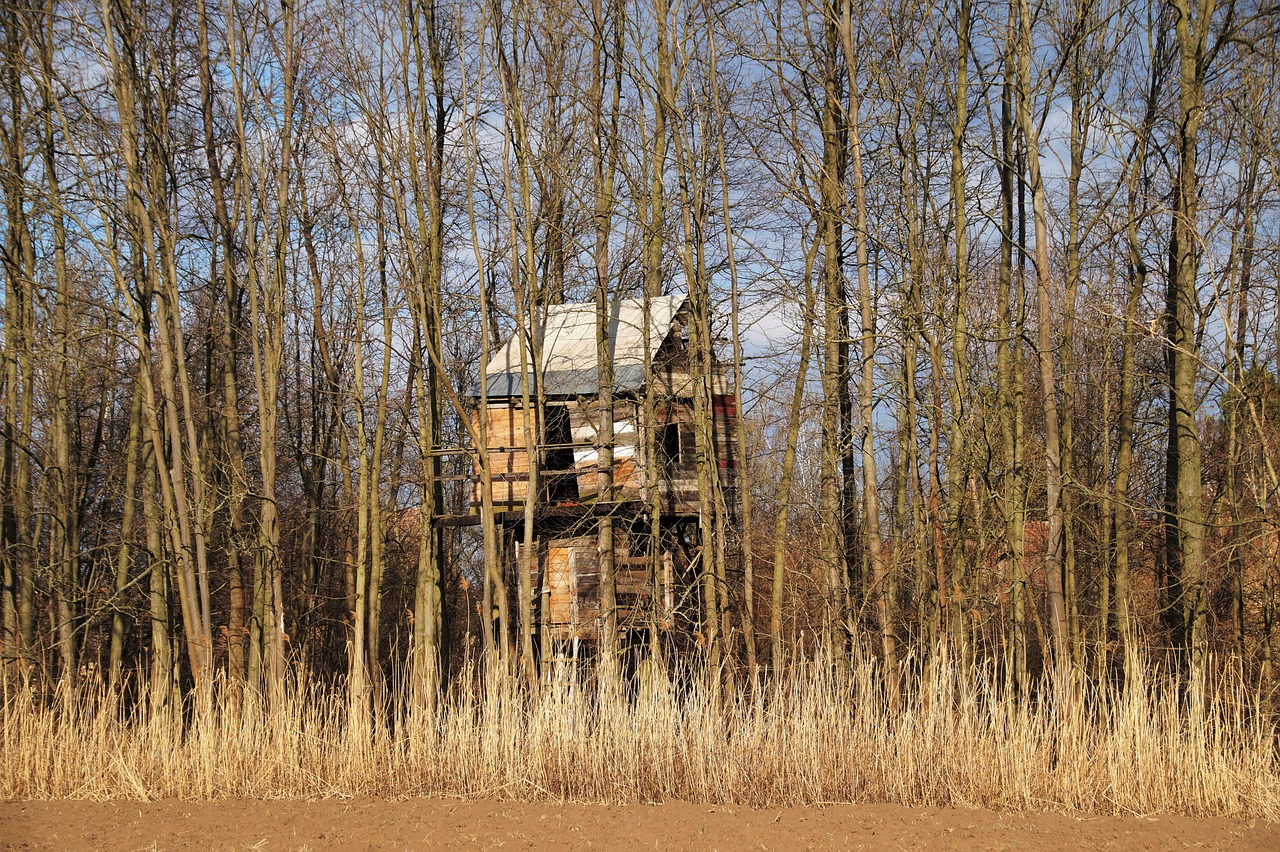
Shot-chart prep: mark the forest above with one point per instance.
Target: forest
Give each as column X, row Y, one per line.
column 996, row 284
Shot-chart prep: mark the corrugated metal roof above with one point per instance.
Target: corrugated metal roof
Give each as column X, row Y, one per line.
column 569, row 348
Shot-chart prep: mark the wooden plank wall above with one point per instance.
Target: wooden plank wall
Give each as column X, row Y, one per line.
column 678, row 482
column 572, row 572
column 628, row 472
column 508, row 456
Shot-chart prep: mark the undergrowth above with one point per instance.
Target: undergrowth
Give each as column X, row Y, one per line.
column 950, row 736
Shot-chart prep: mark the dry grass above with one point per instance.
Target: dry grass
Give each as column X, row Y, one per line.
column 952, row 740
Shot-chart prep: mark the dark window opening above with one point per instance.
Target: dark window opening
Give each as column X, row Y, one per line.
column 560, row 480
column 675, row 447
column 669, row 444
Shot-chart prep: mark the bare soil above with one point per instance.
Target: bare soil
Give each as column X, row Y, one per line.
column 490, row 824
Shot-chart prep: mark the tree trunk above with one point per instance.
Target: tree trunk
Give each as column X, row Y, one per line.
column 1059, row 627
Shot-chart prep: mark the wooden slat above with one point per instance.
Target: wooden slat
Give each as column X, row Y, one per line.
column 558, row 579
column 633, row 587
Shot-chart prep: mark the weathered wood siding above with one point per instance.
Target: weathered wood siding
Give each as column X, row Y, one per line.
column 508, row 455
column 586, row 420
column 677, row 482
column 572, row 572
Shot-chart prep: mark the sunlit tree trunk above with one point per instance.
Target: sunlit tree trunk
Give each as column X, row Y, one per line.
column 19, row 604
column 1010, row 383
column 742, row 485
column 231, row 451
column 606, row 82
column 430, row 647
column 881, row 583
column 1044, row 349
column 832, row 506
column 1186, row 557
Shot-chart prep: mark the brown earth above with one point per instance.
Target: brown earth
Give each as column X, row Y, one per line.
column 488, row 824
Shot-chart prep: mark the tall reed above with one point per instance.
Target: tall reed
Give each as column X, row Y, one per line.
column 952, row 738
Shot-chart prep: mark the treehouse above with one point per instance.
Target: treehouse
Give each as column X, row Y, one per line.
column 544, row 423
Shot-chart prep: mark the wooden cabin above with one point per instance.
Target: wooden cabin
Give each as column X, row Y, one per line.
column 561, row 435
